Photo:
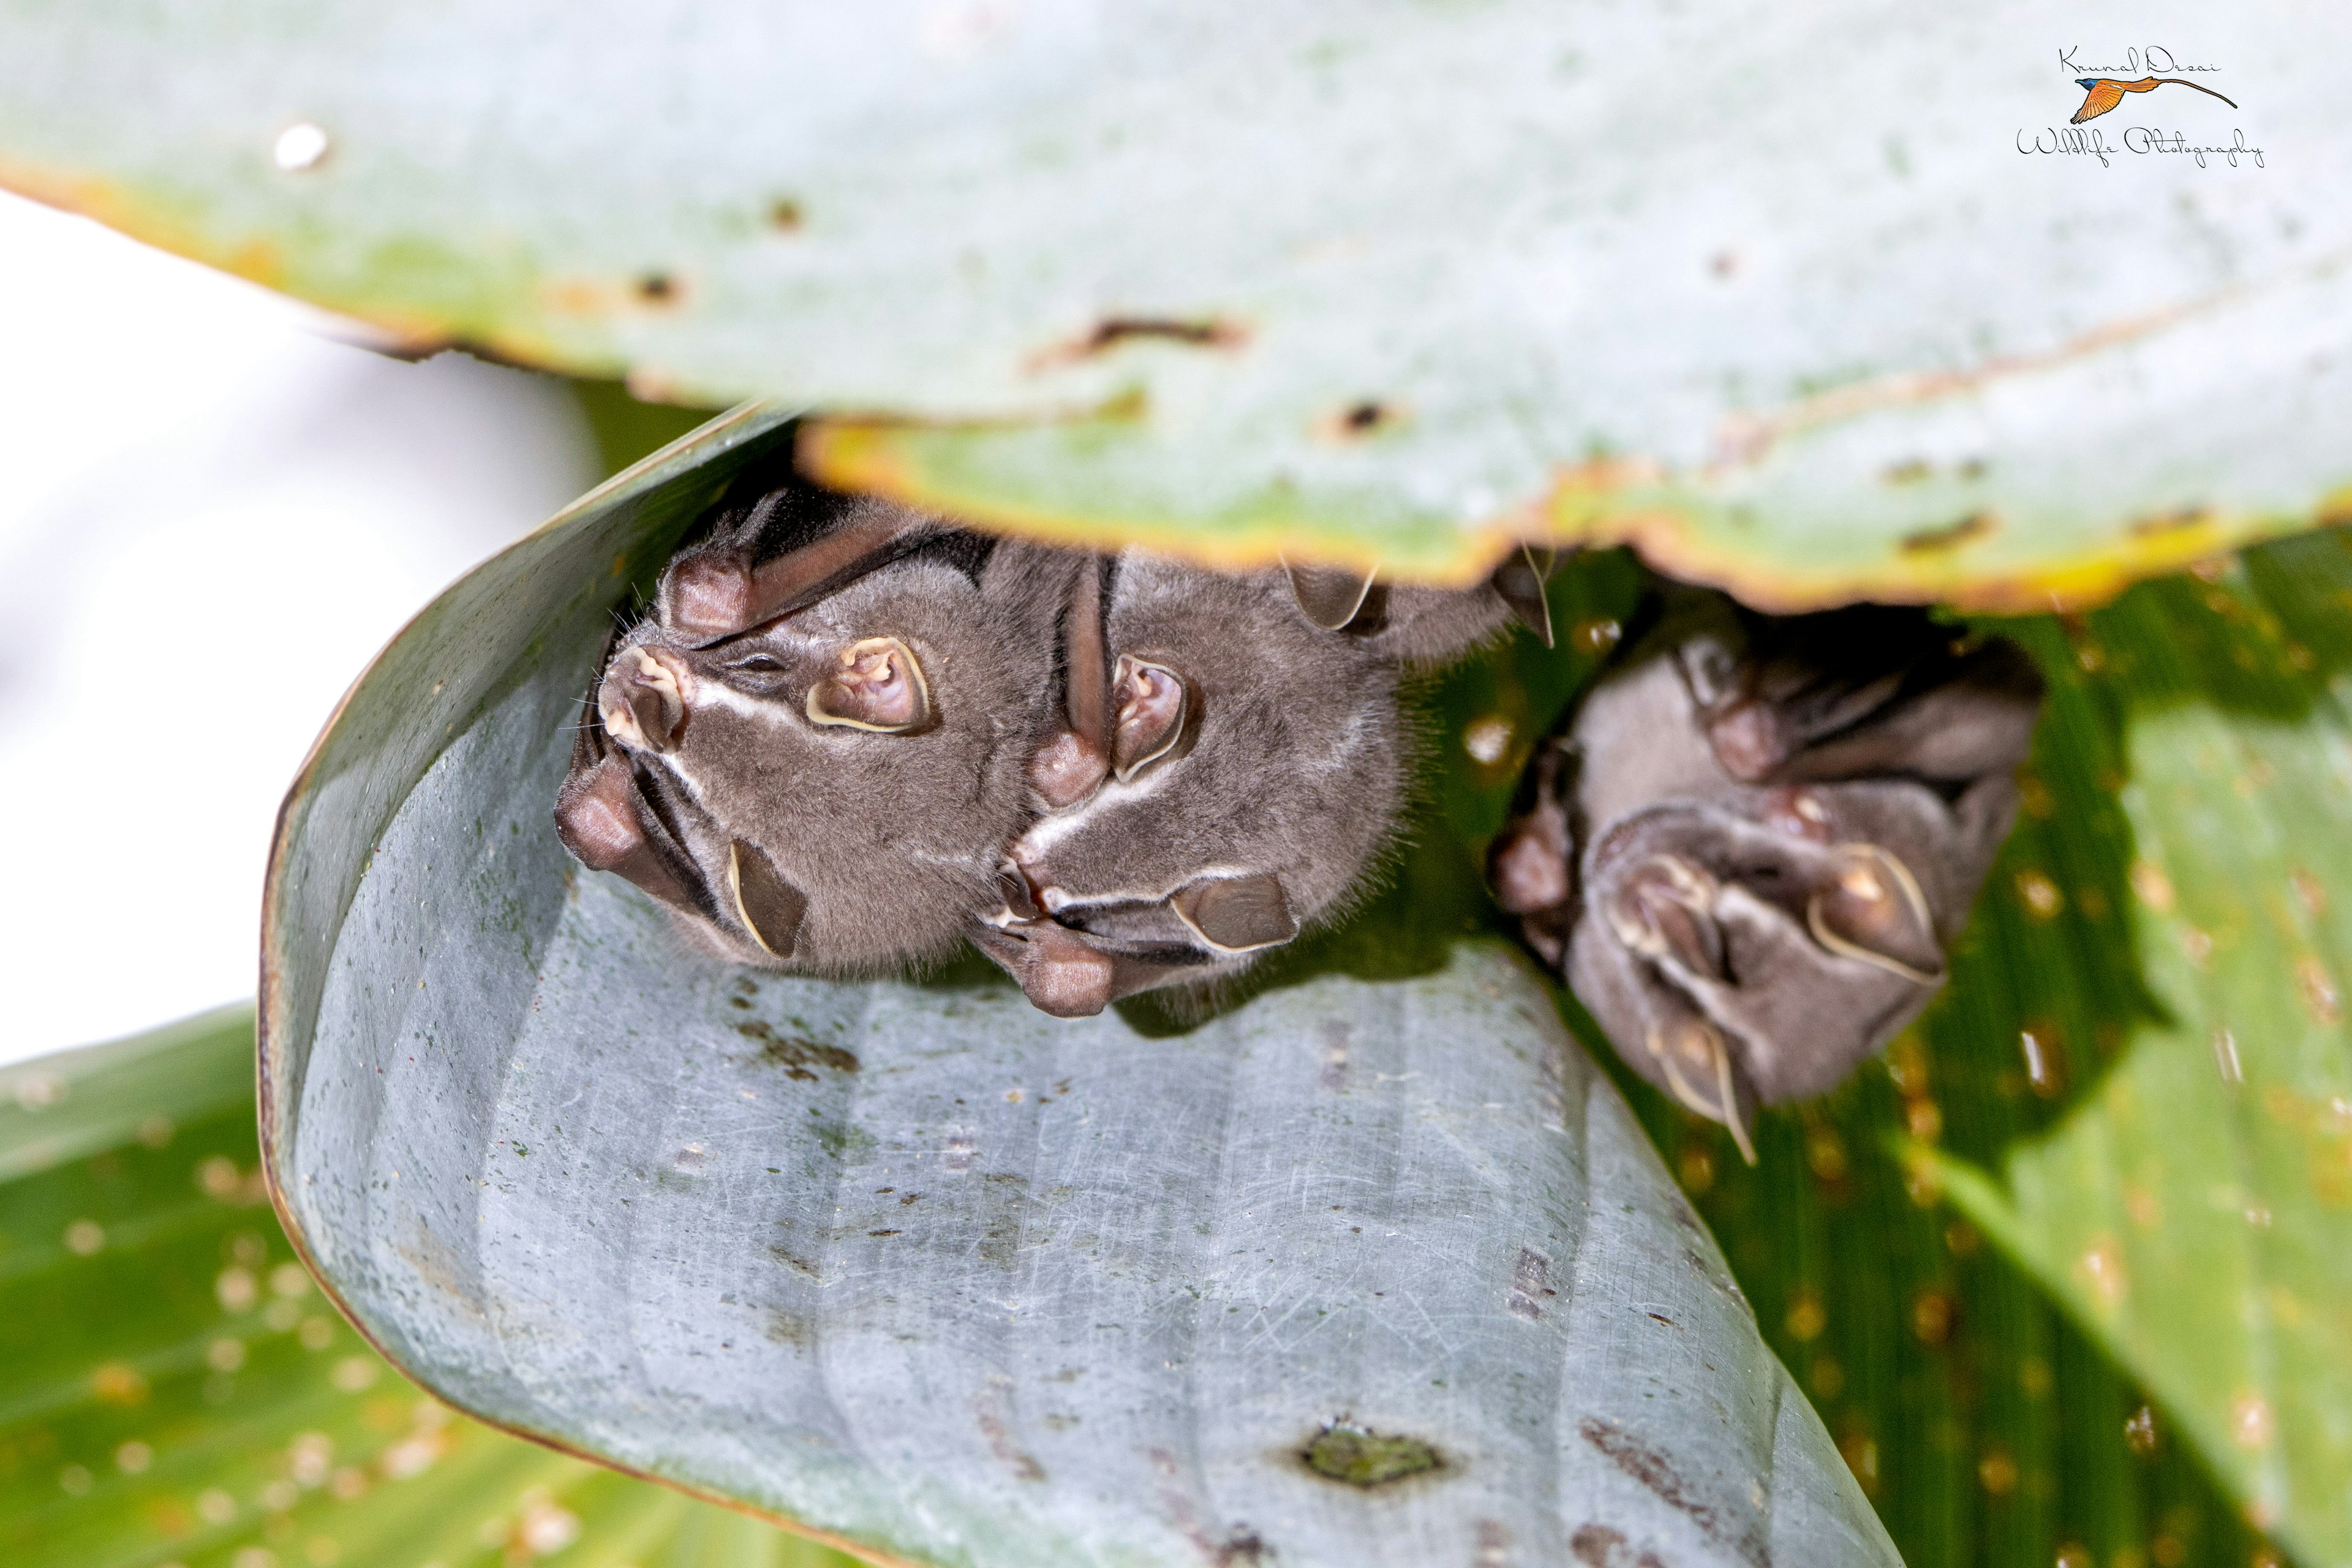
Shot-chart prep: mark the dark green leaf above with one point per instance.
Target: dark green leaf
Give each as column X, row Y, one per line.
column 2193, row 1207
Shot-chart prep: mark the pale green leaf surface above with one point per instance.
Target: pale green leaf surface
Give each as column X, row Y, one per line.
column 918, row 1267
column 174, row 1390
column 2194, row 1208
column 1770, row 290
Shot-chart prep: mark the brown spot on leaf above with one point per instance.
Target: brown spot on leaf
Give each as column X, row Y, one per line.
column 795, row 1056
column 1530, row 1284
column 1023, row 1465
column 1111, row 331
column 1936, row 540
column 1366, row 417
column 1653, row 1470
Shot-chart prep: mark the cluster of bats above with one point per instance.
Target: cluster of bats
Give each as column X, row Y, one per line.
column 846, row 737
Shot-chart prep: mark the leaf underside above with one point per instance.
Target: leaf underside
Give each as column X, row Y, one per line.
column 916, row 1266
column 1797, row 309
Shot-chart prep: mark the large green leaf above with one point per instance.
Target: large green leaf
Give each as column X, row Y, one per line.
column 173, row 1390
column 1779, row 294
column 917, row 1266
column 2194, row 1208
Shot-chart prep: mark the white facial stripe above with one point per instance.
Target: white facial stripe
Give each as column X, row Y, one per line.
column 1051, row 830
column 716, row 694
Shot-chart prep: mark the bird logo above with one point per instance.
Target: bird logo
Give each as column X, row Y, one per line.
column 2103, row 93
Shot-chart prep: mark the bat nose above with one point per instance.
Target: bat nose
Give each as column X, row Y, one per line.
column 645, row 699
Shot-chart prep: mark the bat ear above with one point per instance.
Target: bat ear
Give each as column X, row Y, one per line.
column 1871, row 909
column 1236, row 914
column 1520, row 582
column 1156, row 711
column 1332, row 597
column 768, row 906
column 1073, row 763
column 1697, row 1062
column 1058, row 970
column 880, row 686
column 600, row 816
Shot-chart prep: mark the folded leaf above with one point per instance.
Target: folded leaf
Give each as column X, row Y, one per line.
column 1359, row 1271
column 1832, row 307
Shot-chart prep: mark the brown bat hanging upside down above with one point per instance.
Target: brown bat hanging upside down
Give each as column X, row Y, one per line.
column 1757, row 835
column 813, row 748
column 850, row 735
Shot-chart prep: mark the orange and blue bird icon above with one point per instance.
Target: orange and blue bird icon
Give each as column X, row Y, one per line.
column 2104, row 92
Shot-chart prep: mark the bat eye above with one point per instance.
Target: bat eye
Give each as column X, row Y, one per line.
column 1156, row 719
column 878, row 686
column 758, row 664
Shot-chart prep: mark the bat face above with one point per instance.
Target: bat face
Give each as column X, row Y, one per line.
column 1231, row 782
column 1252, row 775
column 1759, row 837
column 829, row 789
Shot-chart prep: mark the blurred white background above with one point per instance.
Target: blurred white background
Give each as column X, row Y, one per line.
column 212, row 514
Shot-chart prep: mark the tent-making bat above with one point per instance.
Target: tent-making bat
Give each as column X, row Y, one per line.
column 1231, row 765
column 1757, row 836
column 848, row 734
column 813, row 748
